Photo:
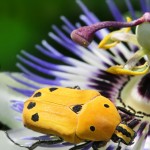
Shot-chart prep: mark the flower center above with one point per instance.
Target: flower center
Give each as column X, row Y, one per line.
column 135, row 95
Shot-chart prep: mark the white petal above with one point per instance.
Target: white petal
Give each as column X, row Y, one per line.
column 7, row 115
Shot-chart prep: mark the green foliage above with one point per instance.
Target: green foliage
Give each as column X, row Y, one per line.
column 25, row 23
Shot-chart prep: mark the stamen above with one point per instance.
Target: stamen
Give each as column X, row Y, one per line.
column 110, row 40
column 137, row 70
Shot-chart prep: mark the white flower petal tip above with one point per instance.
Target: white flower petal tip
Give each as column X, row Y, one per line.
column 137, row 70
column 6, row 95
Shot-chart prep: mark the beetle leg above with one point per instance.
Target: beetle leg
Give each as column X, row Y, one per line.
column 14, row 141
column 128, row 112
column 76, row 147
column 98, row 144
column 36, row 144
column 133, row 123
column 40, row 142
column 75, row 87
column 118, row 147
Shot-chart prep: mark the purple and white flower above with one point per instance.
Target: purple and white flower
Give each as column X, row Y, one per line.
column 87, row 68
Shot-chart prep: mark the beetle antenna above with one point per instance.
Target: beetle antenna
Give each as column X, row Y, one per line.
column 128, row 112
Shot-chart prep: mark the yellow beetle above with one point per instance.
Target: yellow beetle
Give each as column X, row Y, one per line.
column 75, row 116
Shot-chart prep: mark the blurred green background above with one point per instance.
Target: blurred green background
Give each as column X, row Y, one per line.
column 25, row 23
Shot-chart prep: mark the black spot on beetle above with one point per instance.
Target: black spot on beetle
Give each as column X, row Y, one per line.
column 106, row 105
column 31, row 105
column 35, row 117
column 92, row 128
column 77, row 108
column 38, row 94
column 52, row 89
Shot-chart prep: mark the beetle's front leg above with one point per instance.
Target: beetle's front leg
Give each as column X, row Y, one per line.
column 77, row 147
column 98, row 144
column 37, row 143
column 75, row 87
column 40, row 142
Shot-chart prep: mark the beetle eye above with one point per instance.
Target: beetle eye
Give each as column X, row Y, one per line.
column 76, row 108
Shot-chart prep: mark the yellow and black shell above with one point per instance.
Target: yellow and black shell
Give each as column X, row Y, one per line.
column 74, row 115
